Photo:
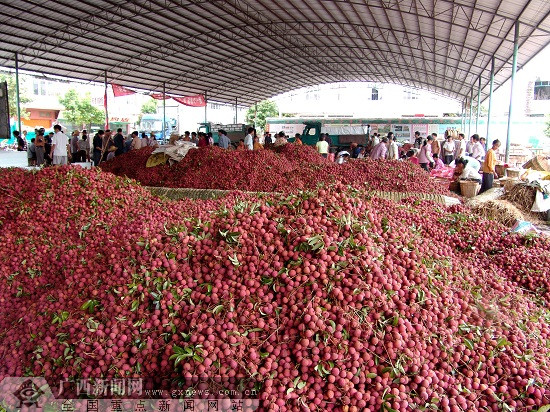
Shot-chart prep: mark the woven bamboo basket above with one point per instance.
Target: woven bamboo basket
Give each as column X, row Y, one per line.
column 509, row 184
column 176, row 193
column 205, row 194
column 500, row 169
column 512, row 173
column 469, row 188
column 538, row 163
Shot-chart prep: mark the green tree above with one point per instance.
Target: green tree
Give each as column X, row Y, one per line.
column 12, row 95
column 547, row 130
column 266, row 108
column 150, row 106
column 79, row 110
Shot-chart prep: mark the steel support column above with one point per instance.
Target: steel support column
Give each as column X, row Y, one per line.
column 470, row 113
column 478, row 102
column 462, row 117
column 17, row 94
column 205, row 106
column 491, row 84
column 105, row 103
column 236, row 110
column 164, row 136
column 514, row 69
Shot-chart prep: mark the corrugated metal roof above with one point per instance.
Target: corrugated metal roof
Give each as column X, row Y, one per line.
column 253, row 49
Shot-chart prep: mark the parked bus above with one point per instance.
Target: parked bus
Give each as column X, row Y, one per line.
column 153, row 123
column 343, row 131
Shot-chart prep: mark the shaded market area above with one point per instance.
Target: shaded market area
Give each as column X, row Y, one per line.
column 244, row 51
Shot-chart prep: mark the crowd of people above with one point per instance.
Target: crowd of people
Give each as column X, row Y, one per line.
column 468, row 158
column 250, row 142
column 43, row 149
column 430, row 153
column 56, row 148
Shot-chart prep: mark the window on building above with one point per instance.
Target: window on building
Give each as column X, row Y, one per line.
column 39, row 87
column 47, row 115
column 542, row 90
column 215, row 106
column 374, row 94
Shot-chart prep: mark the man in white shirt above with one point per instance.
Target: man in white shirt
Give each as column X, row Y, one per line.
column 469, row 171
column 249, row 139
column 477, row 149
column 136, row 141
column 393, row 150
column 60, row 146
column 460, row 146
column 470, row 144
column 448, row 150
column 472, row 163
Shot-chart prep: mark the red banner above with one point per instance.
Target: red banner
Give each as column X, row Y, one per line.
column 194, row 101
column 121, row 91
column 158, row 96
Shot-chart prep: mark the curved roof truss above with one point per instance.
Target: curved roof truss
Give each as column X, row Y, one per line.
column 253, row 49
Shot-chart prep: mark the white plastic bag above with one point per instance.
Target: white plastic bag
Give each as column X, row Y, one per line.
column 524, row 228
column 541, row 203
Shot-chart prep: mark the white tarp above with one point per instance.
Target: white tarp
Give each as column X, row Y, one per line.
column 177, row 151
column 337, row 130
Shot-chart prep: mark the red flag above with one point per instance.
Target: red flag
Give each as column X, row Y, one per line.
column 121, row 91
column 159, row 96
column 194, row 101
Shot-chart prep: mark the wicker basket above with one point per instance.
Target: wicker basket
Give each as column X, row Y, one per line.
column 512, row 173
column 539, row 163
column 509, row 184
column 500, row 169
column 205, row 194
column 469, row 188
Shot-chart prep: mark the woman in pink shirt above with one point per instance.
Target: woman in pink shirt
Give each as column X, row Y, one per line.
column 438, row 162
column 425, row 156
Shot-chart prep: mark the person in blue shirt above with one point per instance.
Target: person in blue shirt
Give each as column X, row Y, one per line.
column 223, row 140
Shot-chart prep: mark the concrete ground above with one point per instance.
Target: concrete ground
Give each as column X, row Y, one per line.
column 13, row 159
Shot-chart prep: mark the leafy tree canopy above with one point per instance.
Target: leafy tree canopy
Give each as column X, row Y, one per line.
column 149, row 106
column 266, row 108
column 79, row 110
column 12, row 95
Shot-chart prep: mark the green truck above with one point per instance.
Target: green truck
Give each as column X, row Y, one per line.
column 344, row 131
column 235, row 132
